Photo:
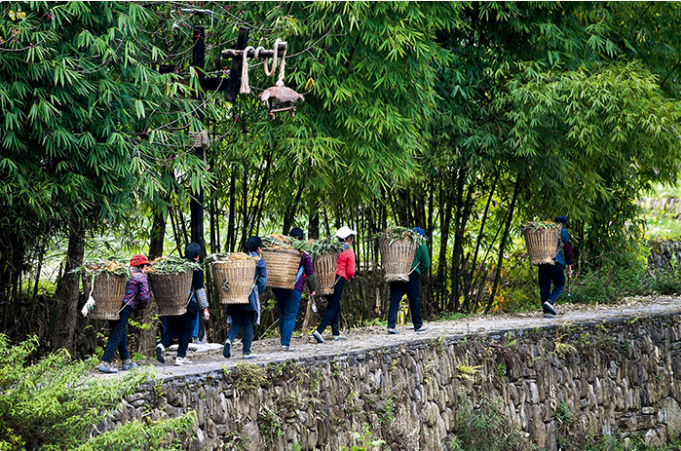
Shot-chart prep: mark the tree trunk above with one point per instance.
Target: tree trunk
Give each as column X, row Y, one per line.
column 68, row 291
column 313, row 231
column 157, row 235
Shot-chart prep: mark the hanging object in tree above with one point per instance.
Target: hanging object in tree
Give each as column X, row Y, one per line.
column 279, row 97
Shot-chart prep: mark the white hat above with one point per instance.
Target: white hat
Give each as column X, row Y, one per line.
column 345, row 232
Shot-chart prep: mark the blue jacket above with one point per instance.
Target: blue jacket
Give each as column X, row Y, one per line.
column 254, row 298
column 565, row 237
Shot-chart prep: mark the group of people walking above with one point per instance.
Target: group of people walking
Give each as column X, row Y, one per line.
column 243, row 318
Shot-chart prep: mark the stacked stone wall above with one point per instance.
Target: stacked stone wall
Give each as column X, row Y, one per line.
column 559, row 384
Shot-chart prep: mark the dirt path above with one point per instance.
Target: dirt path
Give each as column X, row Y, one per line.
column 209, row 357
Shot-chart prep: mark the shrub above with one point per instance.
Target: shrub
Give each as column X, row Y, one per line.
column 52, row 405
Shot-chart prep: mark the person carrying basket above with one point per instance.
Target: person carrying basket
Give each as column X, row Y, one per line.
column 344, row 272
column 136, row 298
column 555, row 273
column 412, row 289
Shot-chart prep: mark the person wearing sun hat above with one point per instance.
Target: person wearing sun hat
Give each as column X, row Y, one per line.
column 555, row 273
column 136, row 298
column 345, row 269
column 419, row 266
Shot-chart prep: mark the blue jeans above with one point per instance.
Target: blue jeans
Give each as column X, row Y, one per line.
column 332, row 314
column 289, row 303
column 548, row 274
column 242, row 320
column 119, row 337
column 413, row 291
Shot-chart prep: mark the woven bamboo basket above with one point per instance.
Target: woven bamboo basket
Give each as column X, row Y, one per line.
column 109, row 292
column 171, row 292
column 325, row 268
column 396, row 258
column 542, row 246
column 282, row 267
column 234, row 279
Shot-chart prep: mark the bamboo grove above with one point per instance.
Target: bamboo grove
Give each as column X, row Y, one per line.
column 463, row 118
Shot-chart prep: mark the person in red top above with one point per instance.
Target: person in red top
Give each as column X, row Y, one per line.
column 345, row 269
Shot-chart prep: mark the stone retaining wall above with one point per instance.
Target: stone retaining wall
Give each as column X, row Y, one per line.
column 664, row 254
column 558, row 384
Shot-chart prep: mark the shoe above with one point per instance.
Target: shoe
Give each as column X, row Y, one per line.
column 179, row 361
column 317, row 336
column 250, row 356
column 128, row 364
column 393, row 331
column 227, row 349
column 161, row 353
column 422, row 328
column 105, row 367
column 548, row 315
column 339, row 337
column 287, row 348
column 548, row 308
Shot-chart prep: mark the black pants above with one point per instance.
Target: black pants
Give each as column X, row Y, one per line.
column 548, row 274
column 180, row 327
column 332, row 314
column 119, row 337
column 413, row 291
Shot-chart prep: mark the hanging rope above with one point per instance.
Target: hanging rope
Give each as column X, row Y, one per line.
column 282, row 65
column 245, row 87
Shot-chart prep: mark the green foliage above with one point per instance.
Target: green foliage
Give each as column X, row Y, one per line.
column 248, row 376
column 366, row 442
column 51, row 404
column 173, row 265
column 486, row 427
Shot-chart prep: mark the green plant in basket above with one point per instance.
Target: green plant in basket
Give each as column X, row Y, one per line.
column 103, row 266
column 274, row 242
column 397, row 233
column 222, row 258
column 173, row 265
column 328, row 245
column 540, row 226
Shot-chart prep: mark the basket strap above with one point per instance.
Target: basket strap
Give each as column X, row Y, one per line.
column 225, row 285
column 417, row 265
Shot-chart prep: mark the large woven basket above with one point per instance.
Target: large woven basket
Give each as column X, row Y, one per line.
column 282, row 267
column 234, row 279
column 542, row 245
column 171, row 292
column 325, row 268
column 396, row 258
column 109, row 292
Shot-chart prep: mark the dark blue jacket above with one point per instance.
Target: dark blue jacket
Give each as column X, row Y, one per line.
column 254, row 298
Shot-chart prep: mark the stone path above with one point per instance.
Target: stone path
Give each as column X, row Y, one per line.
column 208, row 358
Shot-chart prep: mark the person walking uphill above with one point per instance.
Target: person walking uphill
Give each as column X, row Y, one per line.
column 289, row 300
column 345, row 269
column 136, row 298
column 555, row 273
column 181, row 326
column 412, row 289
column 246, row 316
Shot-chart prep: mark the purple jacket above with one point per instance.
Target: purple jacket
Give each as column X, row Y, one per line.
column 308, row 271
column 137, row 290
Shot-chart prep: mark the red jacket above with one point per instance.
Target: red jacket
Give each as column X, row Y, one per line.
column 345, row 266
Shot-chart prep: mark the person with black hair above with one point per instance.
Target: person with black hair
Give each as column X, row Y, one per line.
column 555, row 273
column 246, row 316
column 181, row 326
column 289, row 300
